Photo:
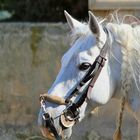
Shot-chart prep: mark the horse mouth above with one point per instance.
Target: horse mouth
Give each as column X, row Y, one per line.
column 47, row 134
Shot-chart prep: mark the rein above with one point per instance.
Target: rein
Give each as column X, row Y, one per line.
column 71, row 114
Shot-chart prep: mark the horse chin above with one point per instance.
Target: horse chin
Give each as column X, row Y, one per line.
column 47, row 134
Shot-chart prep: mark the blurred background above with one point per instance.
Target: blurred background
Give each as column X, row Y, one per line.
column 33, row 38
column 44, row 10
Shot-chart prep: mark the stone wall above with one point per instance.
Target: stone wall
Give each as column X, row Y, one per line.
column 29, row 61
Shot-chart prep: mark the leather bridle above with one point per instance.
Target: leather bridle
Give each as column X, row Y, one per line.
column 71, row 113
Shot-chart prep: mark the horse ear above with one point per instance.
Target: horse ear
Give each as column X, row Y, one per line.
column 93, row 24
column 73, row 23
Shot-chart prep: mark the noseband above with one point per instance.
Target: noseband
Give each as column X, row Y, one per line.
column 71, row 114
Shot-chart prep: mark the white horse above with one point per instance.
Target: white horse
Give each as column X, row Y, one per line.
column 120, row 77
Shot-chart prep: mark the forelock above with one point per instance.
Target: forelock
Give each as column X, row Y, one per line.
column 79, row 32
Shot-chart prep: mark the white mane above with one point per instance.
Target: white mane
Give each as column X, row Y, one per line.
column 78, row 32
column 129, row 39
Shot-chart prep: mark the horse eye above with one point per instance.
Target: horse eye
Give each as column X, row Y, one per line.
column 84, row 66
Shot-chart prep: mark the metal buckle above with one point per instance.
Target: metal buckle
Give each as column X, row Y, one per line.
column 70, row 116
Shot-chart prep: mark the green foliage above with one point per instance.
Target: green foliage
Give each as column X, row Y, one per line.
column 44, row 10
